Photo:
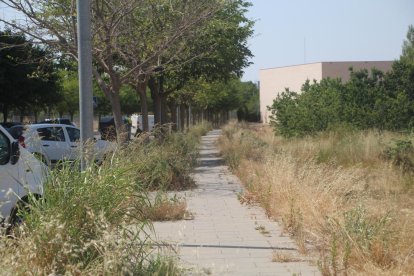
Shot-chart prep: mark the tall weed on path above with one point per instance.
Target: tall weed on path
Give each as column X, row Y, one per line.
column 333, row 193
column 95, row 222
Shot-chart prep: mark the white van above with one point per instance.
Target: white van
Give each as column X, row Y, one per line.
column 136, row 123
column 21, row 174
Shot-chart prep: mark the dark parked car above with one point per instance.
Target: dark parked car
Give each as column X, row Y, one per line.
column 107, row 128
column 8, row 125
column 16, row 131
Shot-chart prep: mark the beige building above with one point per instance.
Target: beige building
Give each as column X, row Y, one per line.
column 275, row 80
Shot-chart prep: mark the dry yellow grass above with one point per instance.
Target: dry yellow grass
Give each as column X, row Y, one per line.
column 335, row 192
column 284, row 257
column 166, row 210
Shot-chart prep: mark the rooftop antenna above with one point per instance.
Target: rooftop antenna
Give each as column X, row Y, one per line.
column 304, row 49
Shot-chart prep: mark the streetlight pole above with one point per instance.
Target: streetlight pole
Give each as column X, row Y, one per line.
column 85, row 76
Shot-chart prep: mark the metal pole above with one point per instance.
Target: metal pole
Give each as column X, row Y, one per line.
column 85, row 76
column 190, row 117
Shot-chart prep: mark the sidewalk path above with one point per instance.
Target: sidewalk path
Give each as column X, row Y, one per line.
column 226, row 237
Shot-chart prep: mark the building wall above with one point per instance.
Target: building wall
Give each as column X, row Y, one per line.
column 275, row 80
column 341, row 69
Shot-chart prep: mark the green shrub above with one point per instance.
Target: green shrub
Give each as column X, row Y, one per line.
column 367, row 100
column 200, row 129
column 166, row 164
column 93, row 222
column 401, row 154
column 364, row 229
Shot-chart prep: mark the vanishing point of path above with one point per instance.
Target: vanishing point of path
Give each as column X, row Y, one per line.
column 225, row 237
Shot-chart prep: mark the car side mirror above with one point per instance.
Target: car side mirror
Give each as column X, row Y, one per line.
column 15, row 153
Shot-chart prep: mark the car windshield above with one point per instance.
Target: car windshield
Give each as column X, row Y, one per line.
column 51, row 134
column 74, row 134
column 4, row 149
column 16, row 131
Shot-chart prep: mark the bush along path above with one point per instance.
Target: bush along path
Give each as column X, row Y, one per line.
column 92, row 222
column 222, row 236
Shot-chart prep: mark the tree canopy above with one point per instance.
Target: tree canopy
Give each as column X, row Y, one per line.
column 136, row 40
column 28, row 79
column 408, row 45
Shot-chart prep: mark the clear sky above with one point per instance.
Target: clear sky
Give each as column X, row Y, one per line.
column 289, row 32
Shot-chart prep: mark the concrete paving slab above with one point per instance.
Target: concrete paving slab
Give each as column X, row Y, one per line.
column 226, row 237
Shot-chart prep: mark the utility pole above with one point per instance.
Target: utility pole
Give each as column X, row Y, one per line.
column 85, row 77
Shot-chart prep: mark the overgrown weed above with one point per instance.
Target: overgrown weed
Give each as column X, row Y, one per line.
column 335, row 191
column 401, row 153
column 164, row 207
column 96, row 222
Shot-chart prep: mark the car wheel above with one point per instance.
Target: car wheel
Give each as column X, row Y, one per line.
column 16, row 218
column 17, row 215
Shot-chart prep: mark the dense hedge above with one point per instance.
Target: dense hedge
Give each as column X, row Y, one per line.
column 368, row 100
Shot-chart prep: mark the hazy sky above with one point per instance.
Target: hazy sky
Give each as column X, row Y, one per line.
column 290, row 32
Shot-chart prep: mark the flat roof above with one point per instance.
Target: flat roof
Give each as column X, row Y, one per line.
column 321, row 62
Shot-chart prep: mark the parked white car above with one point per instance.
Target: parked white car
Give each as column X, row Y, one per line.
column 136, row 123
column 21, row 174
column 57, row 142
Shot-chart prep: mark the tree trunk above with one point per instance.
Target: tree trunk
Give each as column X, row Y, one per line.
column 210, row 116
column 177, row 116
column 155, row 95
column 173, row 108
column 21, row 115
column 159, row 99
column 187, row 113
column 192, row 121
column 121, row 131
column 141, row 89
column 5, row 113
column 113, row 96
column 164, row 113
column 196, row 117
column 182, row 117
column 157, row 108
